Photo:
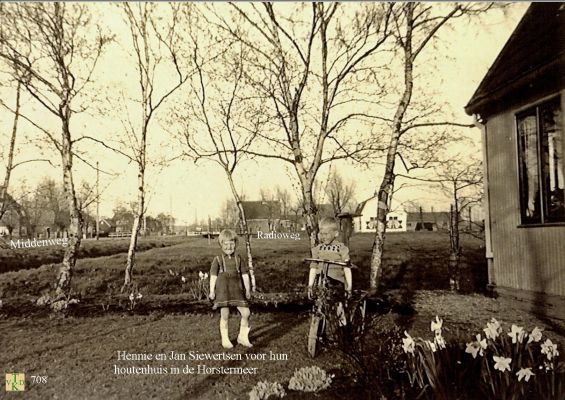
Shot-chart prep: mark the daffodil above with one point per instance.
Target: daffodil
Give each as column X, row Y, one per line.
column 201, row 275
column 517, row 334
column 131, row 297
column 472, row 349
column 439, row 341
column 524, row 373
column 432, row 346
column 501, row 363
column 436, row 325
column 481, row 344
column 492, row 330
column 408, row 344
column 139, row 296
column 183, row 279
column 549, row 349
column 535, row 336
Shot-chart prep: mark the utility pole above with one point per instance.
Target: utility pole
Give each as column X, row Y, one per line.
column 209, row 230
column 97, row 200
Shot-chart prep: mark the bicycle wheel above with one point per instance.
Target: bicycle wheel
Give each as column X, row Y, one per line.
column 316, row 330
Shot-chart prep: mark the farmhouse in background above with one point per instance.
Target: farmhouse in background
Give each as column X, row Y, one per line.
column 262, row 215
column 398, row 221
column 14, row 221
column 519, row 106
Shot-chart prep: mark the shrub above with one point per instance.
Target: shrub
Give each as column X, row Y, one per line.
column 264, row 390
column 310, row 379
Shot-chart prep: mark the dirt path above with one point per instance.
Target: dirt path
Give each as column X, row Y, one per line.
column 78, row 355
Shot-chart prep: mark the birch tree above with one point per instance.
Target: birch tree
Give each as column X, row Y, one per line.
column 10, row 159
column 54, row 48
column 415, row 26
column 340, row 192
column 156, row 42
column 220, row 126
column 307, row 62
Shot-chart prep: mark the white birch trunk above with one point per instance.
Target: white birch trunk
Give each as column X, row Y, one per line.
column 9, row 166
column 76, row 224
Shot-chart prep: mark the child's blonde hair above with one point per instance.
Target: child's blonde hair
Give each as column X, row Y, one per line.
column 328, row 222
column 227, row 234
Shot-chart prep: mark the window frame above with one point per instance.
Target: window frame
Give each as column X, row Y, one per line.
column 522, row 112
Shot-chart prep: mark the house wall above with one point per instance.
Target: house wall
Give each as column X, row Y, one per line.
column 365, row 222
column 530, row 258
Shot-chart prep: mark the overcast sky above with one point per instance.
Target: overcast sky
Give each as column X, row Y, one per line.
column 187, row 190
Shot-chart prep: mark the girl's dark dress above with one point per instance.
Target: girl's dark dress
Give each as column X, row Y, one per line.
column 229, row 285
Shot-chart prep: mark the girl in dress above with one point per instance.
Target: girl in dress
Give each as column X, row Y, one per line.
column 227, row 289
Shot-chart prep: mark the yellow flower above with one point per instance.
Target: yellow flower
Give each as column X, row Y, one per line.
column 502, row 363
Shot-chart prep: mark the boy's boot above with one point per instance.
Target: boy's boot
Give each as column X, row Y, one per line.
column 225, row 336
column 243, row 337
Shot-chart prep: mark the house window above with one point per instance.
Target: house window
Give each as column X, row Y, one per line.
column 540, row 149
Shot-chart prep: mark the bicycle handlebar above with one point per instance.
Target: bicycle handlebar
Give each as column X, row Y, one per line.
column 344, row 264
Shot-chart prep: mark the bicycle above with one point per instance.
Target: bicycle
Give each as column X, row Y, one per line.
column 355, row 308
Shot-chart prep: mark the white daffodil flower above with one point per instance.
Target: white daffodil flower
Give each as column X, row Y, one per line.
column 492, row 330
column 517, row 334
column 408, row 344
column 201, row 275
column 432, row 346
column 502, row 363
column 439, row 341
column 139, row 296
column 436, row 325
column 131, row 297
column 535, row 336
column 524, row 373
column 549, row 349
column 472, row 349
column 183, row 279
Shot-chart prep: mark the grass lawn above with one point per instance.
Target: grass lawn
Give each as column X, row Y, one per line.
column 78, row 352
column 14, row 259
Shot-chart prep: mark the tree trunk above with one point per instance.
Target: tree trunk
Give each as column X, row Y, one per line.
column 75, row 228
column 385, row 191
column 4, row 188
column 455, row 249
column 387, row 184
column 310, row 212
column 246, row 234
column 136, row 226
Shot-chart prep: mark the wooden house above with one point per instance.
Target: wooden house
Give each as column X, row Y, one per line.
column 519, row 106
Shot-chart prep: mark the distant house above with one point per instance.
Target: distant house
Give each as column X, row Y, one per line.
column 398, row 221
column 519, row 106
column 105, row 227
column 262, row 215
column 14, row 220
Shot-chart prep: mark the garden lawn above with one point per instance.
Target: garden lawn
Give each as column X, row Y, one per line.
column 14, row 259
column 78, row 354
column 413, row 260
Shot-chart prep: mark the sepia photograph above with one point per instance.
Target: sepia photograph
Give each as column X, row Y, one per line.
column 265, row 200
